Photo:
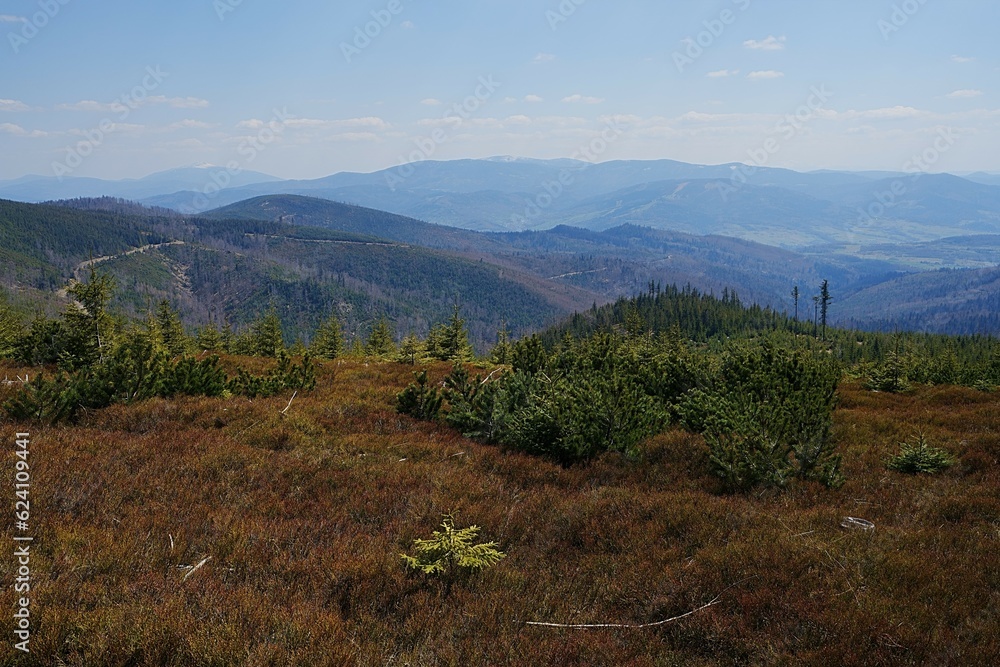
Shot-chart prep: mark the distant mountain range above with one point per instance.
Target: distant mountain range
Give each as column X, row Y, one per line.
column 312, row 256
column 569, row 233
column 49, row 188
column 773, row 206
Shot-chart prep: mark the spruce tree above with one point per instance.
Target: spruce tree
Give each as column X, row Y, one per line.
column 89, row 327
column 209, row 338
column 824, row 297
column 410, row 350
column 170, row 329
column 328, row 343
column 502, row 353
column 381, row 342
column 267, row 339
column 11, row 330
column 454, row 344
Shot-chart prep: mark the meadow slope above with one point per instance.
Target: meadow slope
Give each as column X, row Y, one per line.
column 304, row 516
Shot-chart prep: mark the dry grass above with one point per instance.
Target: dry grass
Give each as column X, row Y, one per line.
column 304, row 517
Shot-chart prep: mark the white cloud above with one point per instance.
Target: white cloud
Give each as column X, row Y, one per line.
column 7, row 18
column 533, row 98
column 119, row 127
column 765, row 74
column 964, row 94
column 354, row 136
column 119, row 105
column 178, row 102
column 85, row 105
column 722, row 73
column 13, row 105
column 543, row 58
column 511, row 123
column 886, row 113
column 431, row 102
column 306, row 124
column 962, row 59
column 509, row 100
column 583, row 98
column 408, row 25
column 189, row 124
column 18, row 131
column 771, row 43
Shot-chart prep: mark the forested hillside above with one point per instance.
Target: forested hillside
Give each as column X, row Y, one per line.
column 232, row 271
column 312, row 257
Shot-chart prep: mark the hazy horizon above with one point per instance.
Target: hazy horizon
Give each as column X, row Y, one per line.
column 304, row 90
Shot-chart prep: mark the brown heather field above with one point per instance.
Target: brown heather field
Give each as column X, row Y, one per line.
column 304, row 518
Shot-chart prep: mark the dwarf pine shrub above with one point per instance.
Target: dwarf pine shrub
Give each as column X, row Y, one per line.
column 419, row 399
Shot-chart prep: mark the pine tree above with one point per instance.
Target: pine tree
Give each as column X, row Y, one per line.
column 635, row 325
column 420, row 399
column 357, row 348
column 11, row 330
column 795, row 297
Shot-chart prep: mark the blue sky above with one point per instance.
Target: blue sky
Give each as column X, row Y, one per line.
column 122, row 88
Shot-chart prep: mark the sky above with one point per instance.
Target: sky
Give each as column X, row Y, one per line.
column 304, row 88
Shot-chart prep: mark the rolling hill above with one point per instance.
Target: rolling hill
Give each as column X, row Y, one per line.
column 232, row 270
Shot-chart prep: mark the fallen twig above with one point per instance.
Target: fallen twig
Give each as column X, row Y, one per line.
column 628, row 626
column 285, row 411
column 196, row 568
column 638, row 626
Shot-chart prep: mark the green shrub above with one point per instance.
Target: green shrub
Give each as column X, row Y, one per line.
column 451, row 551
column 420, row 400
column 920, row 457
column 47, row 401
column 582, row 415
column 451, row 548
column 767, row 418
column 286, row 376
column 889, row 375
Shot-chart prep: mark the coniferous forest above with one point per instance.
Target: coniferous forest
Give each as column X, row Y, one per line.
column 673, row 476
